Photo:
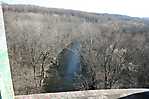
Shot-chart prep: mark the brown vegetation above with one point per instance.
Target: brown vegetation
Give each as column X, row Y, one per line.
column 113, row 47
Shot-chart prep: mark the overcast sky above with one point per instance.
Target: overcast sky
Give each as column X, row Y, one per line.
column 135, row 8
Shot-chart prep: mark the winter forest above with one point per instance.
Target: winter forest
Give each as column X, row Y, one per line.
column 57, row 50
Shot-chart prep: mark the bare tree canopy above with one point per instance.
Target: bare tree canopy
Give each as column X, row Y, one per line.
column 51, row 48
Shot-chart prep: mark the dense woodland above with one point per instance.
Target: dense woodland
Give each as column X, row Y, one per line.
column 113, row 49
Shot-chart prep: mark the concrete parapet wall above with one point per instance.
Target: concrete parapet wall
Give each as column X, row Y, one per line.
column 89, row 94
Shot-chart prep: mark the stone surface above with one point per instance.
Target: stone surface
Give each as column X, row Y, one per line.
column 89, row 94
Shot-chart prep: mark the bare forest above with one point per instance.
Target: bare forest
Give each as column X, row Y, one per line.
column 55, row 50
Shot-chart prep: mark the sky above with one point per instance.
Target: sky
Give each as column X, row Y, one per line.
column 134, row 8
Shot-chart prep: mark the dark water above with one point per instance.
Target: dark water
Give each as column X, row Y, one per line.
column 72, row 71
column 142, row 95
column 70, row 66
column 73, row 62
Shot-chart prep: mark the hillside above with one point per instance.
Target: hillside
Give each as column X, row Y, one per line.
column 114, row 48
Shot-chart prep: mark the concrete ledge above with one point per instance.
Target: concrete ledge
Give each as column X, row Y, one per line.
column 89, row 94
